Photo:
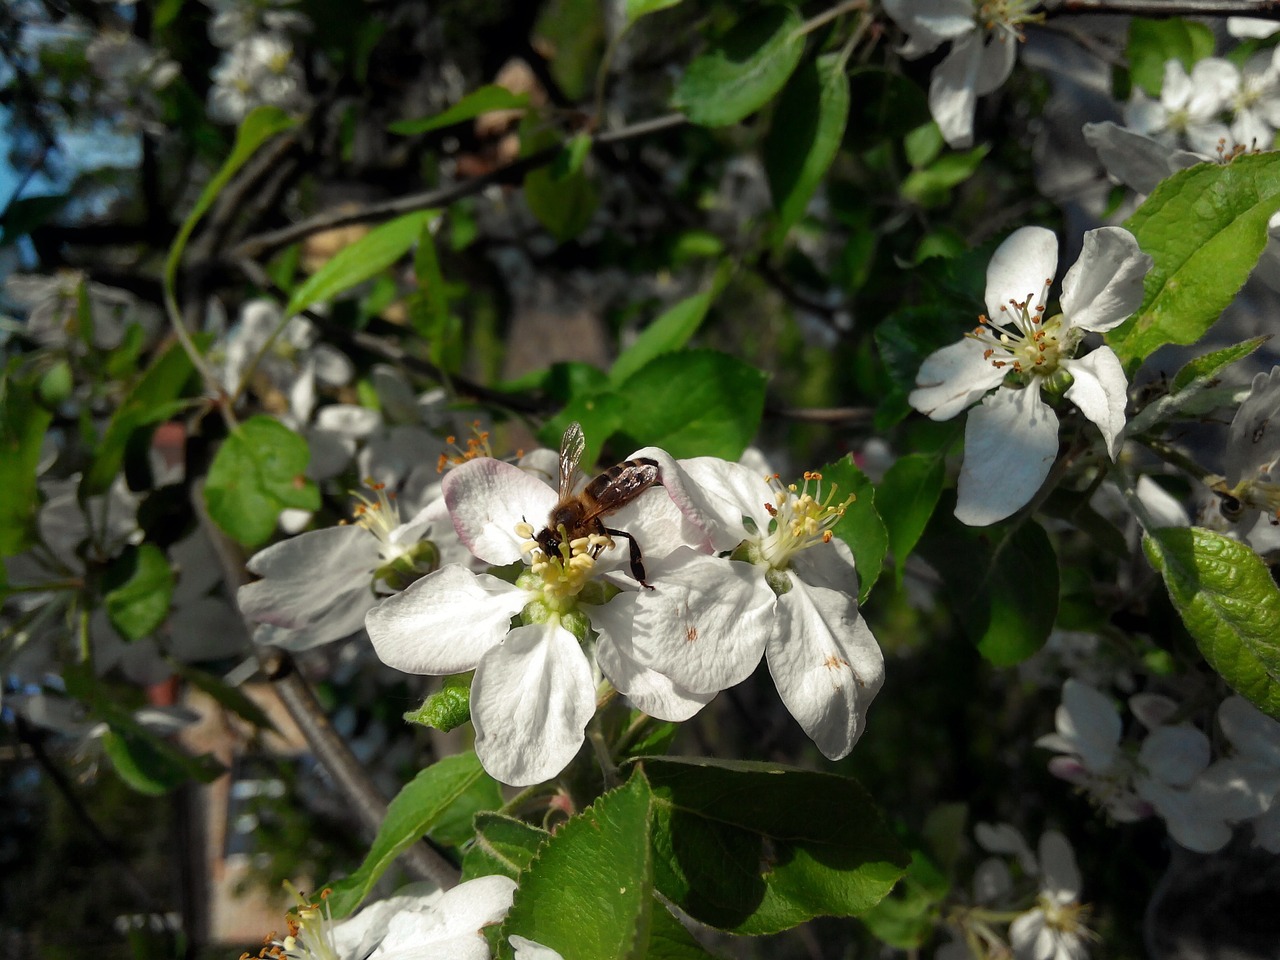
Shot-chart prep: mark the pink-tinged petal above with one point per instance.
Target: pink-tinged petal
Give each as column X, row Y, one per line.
column 649, row 691
column 715, row 495
column 953, row 378
column 1103, row 288
column 704, row 625
column 487, row 499
column 315, row 578
column 1100, row 390
column 1020, row 269
column 826, row 664
column 1067, row 768
column 1175, row 755
column 530, row 702
column 445, row 622
column 1089, row 721
column 952, row 90
column 1010, row 443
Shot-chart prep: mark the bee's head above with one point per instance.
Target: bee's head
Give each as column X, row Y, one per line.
column 549, row 543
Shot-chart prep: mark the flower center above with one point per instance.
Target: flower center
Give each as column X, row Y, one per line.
column 380, row 516
column 1021, row 339
column 802, row 517
column 477, row 446
column 559, row 579
column 310, row 934
column 1004, row 18
column 1067, row 920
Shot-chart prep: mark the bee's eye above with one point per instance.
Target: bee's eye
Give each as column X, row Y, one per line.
column 1230, row 507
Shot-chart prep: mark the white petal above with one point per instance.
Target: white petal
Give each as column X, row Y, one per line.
column 1030, row 938
column 1252, row 443
column 1189, row 822
column 450, row 926
column 826, row 664
column 704, row 625
column 443, row 623
column 1059, row 875
column 487, row 499
column 1251, row 27
column 348, row 420
column 1237, row 789
column 1165, row 509
column 1089, row 721
column 715, row 495
column 1010, row 443
column 1005, row 838
column 1251, row 732
column 649, row 691
column 1175, row 755
column 943, row 19
column 530, row 702
column 1135, row 160
column 529, row 950
column 952, row 378
column 1103, row 288
column 1021, row 269
column 952, row 90
column 1100, row 390
column 998, row 55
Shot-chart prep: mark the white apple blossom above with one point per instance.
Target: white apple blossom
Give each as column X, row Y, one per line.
column 1254, row 101
column 984, row 38
column 317, row 587
column 535, row 685
column 779, row 587
column 260, row 70
column 1055, row 929
column 1188, row 111
column 421, row 922
column 1251, row 487
column 1011, row 438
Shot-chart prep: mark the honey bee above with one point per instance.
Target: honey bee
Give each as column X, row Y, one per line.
column 581, row 514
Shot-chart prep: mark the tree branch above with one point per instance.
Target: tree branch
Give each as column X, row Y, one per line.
column 1265, row 9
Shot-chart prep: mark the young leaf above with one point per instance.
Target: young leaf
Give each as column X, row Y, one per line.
column 564, row 205
column 503, row 845
column 906, row 499
column 805, row 134
column 446, row 709
column 694, row 403
column 756, row 848
column 484, row 100
column 1205, row 228
column 418, row 806
column 140, row 602
column 860, row 527
column 1229, row 603
column 742, row 70
column 636, row 9
column 669, row 332
column 588, row 893
column 370, row 255
column 258, row 471
column 23, row 423
column 1195, row 378
column 148, row 764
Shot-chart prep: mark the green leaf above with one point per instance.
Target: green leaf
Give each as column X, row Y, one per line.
column 474, row 104
column 931, row 186
column 456, row 826
column 805, row 134
column 860, row 527
column 232, row 698
column 923, row 145
column 370, row 255
column 756, row 848
column 906, row 499
column 23, row 422
column 446, row 709
column 669, row 332
column 588, row 893
column 564, row 205
column 636, row 9
column 1153, row 42
column 1205, row 228
column 257, row 128
column 141, row 601
column 1198, row 376
column 1002, row 581
column 742, row 70
column 694, row 403
column 25, row 214
column 416, row 808
column 669, row 940
column 908, row 917
column 1229, row 603
column 503, row 845
column 152, row 399
column 144, row 761
column 258, row 471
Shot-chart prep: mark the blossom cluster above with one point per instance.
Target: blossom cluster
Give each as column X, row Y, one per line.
column 738, row 568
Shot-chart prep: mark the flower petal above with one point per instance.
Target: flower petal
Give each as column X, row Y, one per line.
column 826, row 664
column 1059, row 875
column 1136, row 160
column 1100, row 390
column 1010, row 443
column 487, row 499
column 715, row 495
column 952, row 90
column 953, row 378
column 445, row 622
column 649, row 691
column 1020, row 269
column 1252, row 443
column 1089, row 721
column 1103, row 288
column 1251, row 732
column 704, row 625
column 530, row 702
column 1175, row 755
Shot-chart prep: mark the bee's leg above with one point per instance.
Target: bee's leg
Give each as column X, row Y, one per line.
column 637, row 564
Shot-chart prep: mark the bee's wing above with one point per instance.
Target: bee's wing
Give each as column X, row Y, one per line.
column 626, row 481
column 571, row 446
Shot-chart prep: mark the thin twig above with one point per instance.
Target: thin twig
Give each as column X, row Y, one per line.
column 1265, row 9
